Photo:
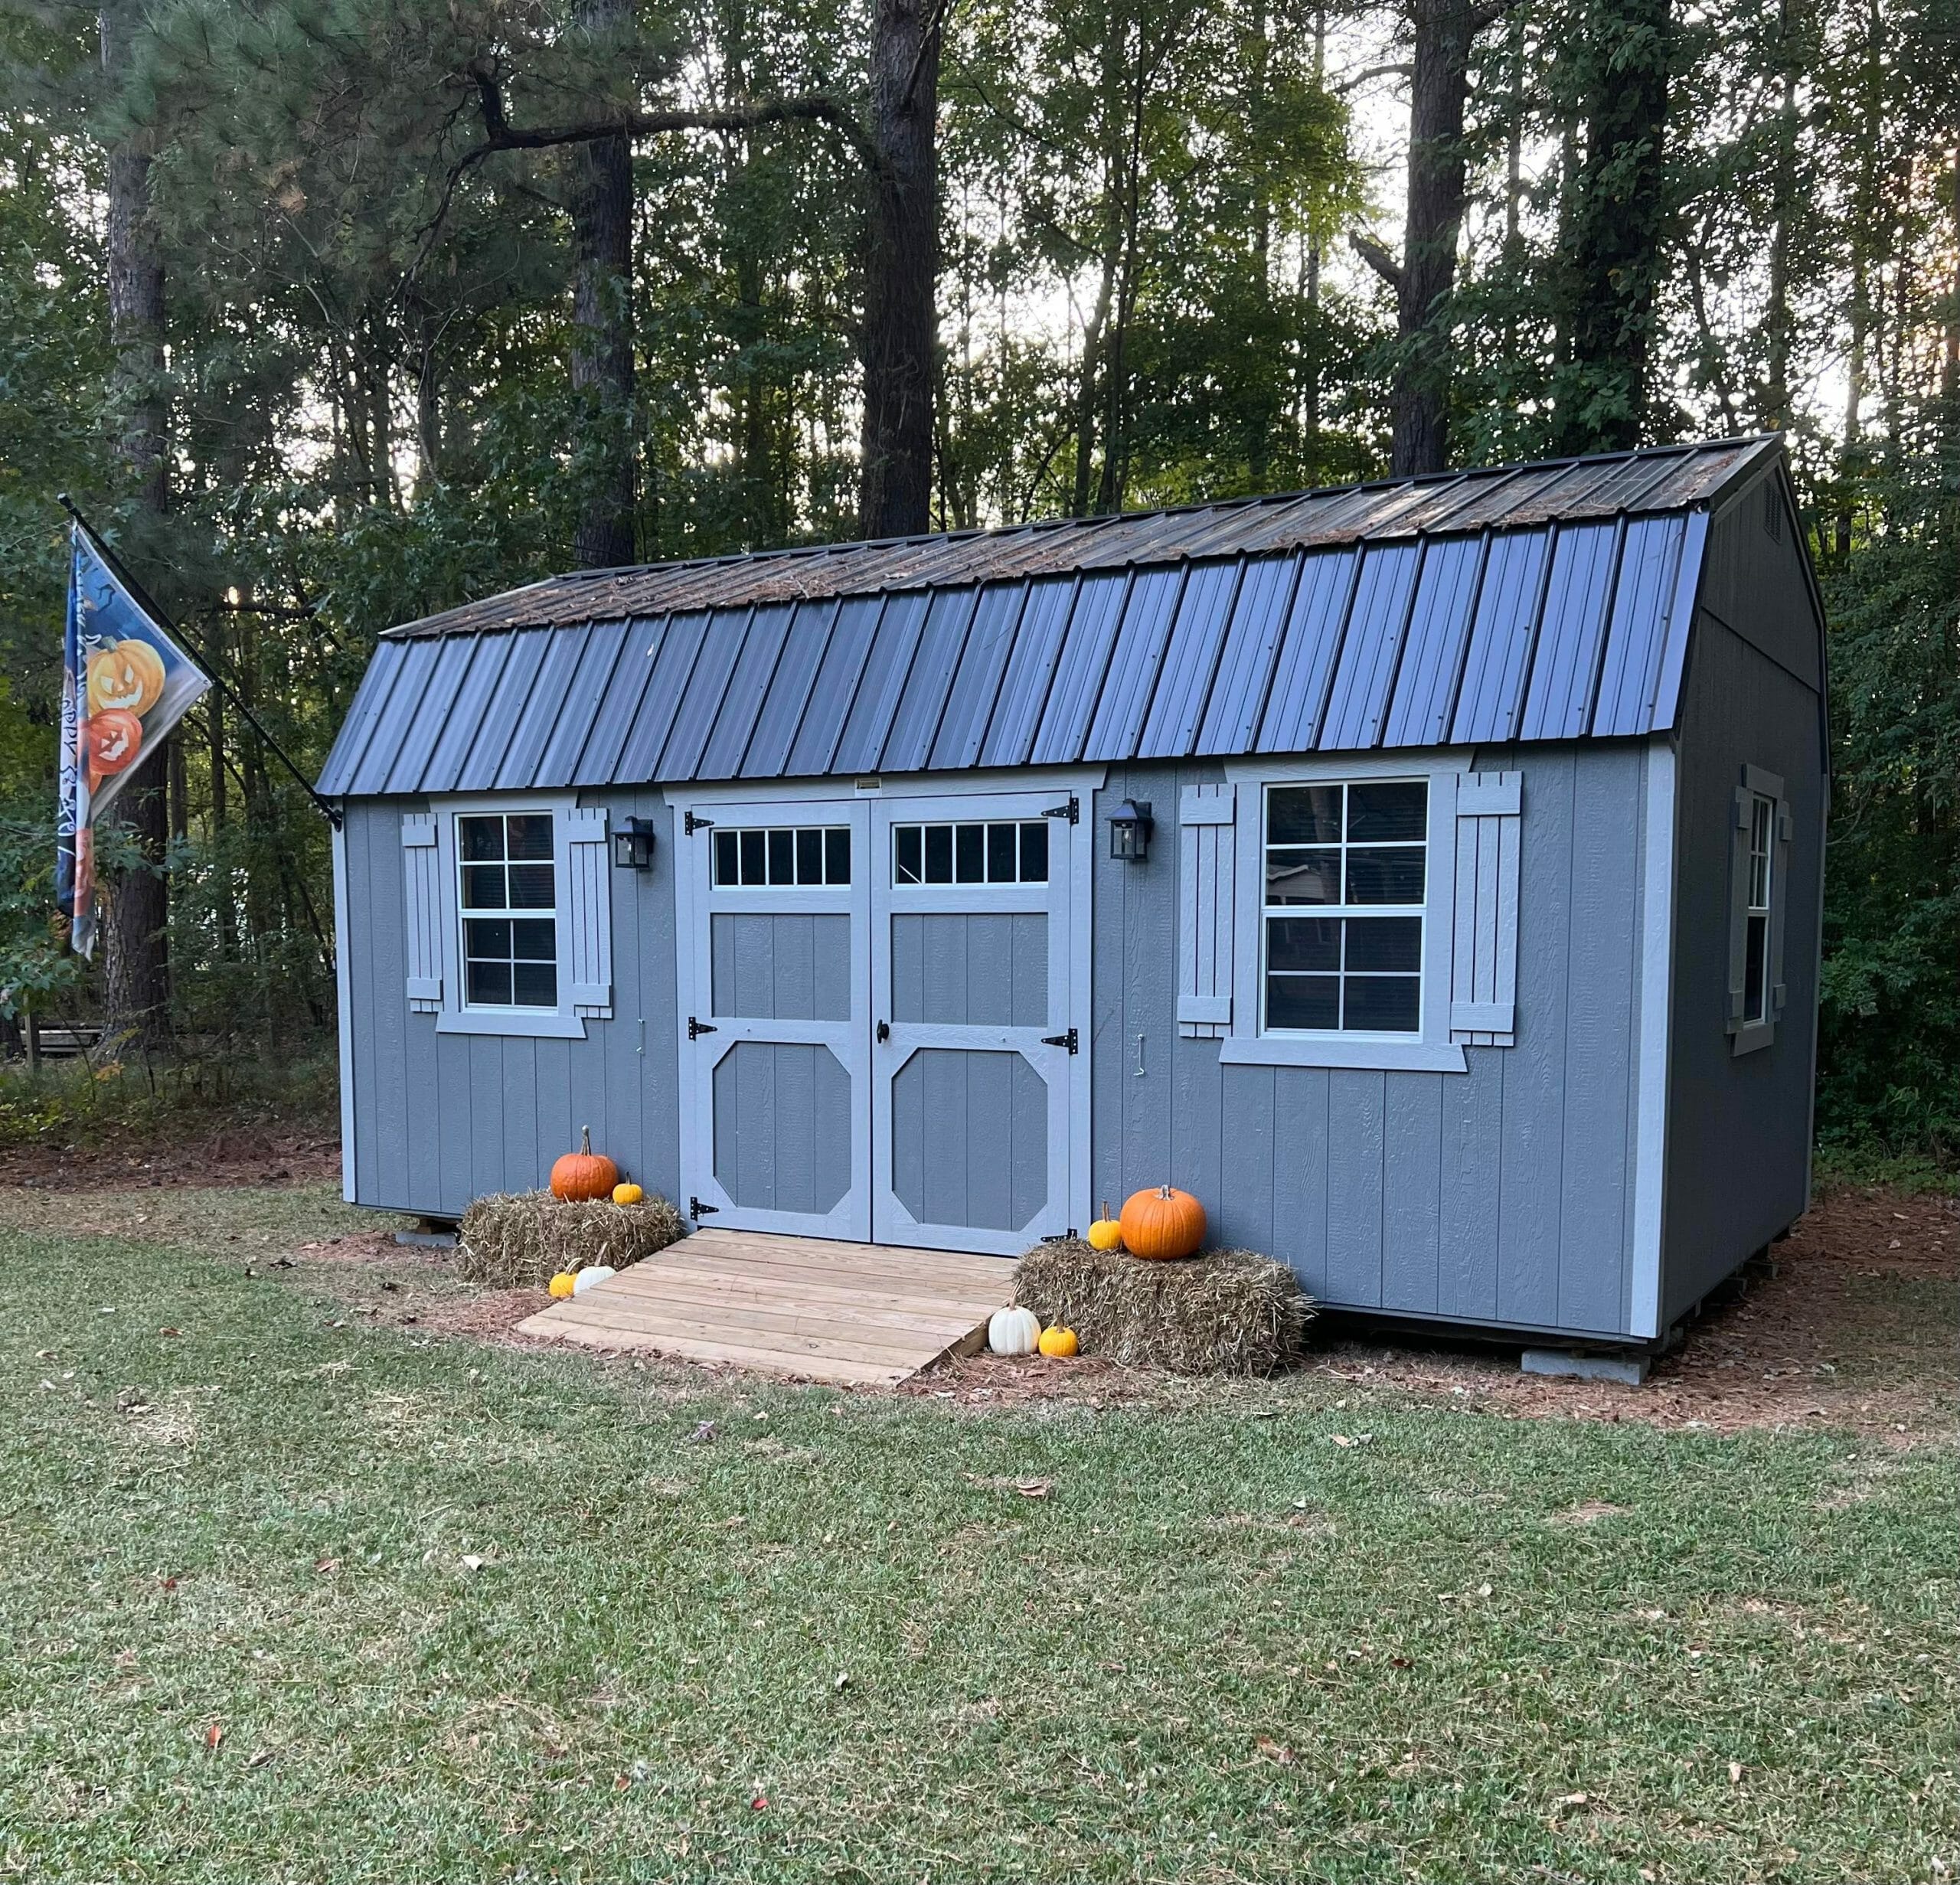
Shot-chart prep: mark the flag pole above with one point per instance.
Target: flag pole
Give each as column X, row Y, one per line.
column 145, row 601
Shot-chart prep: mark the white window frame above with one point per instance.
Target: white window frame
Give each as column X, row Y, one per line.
column 1748, row 1034
column 456, row 1017
column 1430, row 1049
column 466, row 914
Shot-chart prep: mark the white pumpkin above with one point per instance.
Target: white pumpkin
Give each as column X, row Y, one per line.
column 1013, row 1331
column 585, row 1279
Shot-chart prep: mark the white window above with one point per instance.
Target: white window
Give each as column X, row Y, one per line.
column 781, row 857
column 508, row 896
column 1346, row 889
column 1755, row 916
column 1000, row 851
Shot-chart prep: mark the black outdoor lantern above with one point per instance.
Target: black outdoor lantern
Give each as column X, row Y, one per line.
column 1130, row 826
column 633, row 845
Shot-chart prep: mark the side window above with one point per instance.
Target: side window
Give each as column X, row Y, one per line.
column 508, row 903
column 1758, row 857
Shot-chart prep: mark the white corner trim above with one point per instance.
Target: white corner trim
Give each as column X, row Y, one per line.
column 1657, row 1007
column 344, row 995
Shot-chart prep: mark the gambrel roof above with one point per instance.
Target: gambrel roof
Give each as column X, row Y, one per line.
column 1551, row 601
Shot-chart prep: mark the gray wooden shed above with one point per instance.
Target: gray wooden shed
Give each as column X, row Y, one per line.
column 1471, row 964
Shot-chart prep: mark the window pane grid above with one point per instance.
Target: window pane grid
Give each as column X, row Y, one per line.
column 998, row 851
column 781, row 857
column 1356, row 856
column 508, row 885
column 1756, row 938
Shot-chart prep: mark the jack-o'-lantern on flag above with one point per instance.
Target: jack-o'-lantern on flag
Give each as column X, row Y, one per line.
column 125, row 683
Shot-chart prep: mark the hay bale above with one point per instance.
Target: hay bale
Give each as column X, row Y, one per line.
column 1220, row 1312
column 519, row 1240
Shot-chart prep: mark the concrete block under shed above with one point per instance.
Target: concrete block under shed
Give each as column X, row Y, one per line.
column 1628, row 1370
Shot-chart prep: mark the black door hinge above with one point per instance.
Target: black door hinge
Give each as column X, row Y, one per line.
column 696, row 1209
column 1072, row 811
column 1067, row 1040
column 696, row 1029
column 693, row 822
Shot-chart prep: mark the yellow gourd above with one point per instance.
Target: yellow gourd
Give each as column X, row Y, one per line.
column 627, row 1194
column 1060, row 1341
column 1106, row 1234
column 562, row 1286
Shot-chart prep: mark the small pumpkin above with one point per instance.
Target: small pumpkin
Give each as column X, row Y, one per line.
column 627, row 1194
column 1013, row 1331
column 584, row 1174
column 1058, row 1341
column 1163, row 1222
column 1106, row 1234
column 563, row 1285
column 585, row 1279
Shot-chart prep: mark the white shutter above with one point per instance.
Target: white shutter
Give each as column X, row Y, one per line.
column 1206, row 852
column 588, row 920
column 1483, row 969
column 422, row 859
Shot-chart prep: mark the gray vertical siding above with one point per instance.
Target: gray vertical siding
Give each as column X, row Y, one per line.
column 1500, row 1195
column 441, row 1119
column 1739, row 1127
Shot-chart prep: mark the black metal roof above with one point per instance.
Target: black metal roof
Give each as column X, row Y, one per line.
column 1538, row 602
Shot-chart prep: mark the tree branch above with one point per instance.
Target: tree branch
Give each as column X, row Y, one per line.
column 1377, row 257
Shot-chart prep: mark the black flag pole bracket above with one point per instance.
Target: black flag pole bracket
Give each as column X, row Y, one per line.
column 145, row 601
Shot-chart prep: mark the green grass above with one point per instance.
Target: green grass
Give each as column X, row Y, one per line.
column 1221, row 1648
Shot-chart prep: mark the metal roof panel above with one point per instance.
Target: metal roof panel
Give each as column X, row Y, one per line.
column 1249, row 645
column 1376, row 621
column 1432, row 659
column 1572, row 629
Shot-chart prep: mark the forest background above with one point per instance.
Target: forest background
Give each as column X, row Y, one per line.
column 336, row 312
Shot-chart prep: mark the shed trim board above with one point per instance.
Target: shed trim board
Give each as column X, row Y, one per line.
column 1539, row 1125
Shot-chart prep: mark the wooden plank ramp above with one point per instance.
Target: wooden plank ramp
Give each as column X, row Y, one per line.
column 857, row 1314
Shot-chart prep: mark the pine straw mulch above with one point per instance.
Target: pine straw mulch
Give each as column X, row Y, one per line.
column 522, row 1239
column 1220, row 1312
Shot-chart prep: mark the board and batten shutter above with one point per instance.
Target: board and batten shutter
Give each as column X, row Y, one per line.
column 1483, row 973
column 588, row 952
column 422, row 859
column 1207, row 851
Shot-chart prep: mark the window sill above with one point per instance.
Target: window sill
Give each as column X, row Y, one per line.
column 1748, row 1039
column 1393, row 1057
column 517, row 1025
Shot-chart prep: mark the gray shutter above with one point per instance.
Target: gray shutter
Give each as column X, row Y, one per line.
column 1483, row 962
column 588, row 947
column 1206, row 852
column 422, row 859
column 1778, row 903
column 1739, row 908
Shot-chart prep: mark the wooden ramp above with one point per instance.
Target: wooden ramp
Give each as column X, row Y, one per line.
column 861, row 1315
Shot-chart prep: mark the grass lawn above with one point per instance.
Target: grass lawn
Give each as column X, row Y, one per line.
column 289, row 1596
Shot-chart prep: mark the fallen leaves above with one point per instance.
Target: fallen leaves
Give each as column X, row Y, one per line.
column 1274, row 1751
column 213, row 1736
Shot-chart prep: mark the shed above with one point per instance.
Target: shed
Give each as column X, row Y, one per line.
column 1426, row 874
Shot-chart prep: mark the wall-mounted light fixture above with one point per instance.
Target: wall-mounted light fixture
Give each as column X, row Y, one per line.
column 1130, row 826
column 633, row 845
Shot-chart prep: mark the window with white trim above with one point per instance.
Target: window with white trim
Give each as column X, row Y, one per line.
column 1756, row 914
column 781, row 857
column 1346, row 867
column 508, row 904
column 1000, row 851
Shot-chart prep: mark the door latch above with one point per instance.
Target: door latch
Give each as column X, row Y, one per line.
column 885, row 1031
column 1067, row 1040
column 1072, row 811
column 696, row 1210
column 696, row 1029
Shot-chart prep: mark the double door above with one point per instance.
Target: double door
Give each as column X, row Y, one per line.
column 882, row 1036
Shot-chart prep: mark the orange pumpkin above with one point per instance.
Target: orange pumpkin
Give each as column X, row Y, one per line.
column 114, row 737
column 585, row 1173
column 129, row 675
column 1163, row 1222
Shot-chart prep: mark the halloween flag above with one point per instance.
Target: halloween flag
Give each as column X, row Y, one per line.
column 124, row 684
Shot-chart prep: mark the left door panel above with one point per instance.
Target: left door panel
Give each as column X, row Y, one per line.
column 775, row 1131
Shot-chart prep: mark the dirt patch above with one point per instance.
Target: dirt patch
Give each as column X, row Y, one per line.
column 233, row 1154
column 1850, row 1323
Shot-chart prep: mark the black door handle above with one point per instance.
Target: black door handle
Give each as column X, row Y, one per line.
column 885, row 1030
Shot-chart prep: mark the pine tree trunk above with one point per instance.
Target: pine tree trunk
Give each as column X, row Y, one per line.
column 602, row 210
column 1438, row 88
column 1618, row 218
column 135, row 970
column 901, row 272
